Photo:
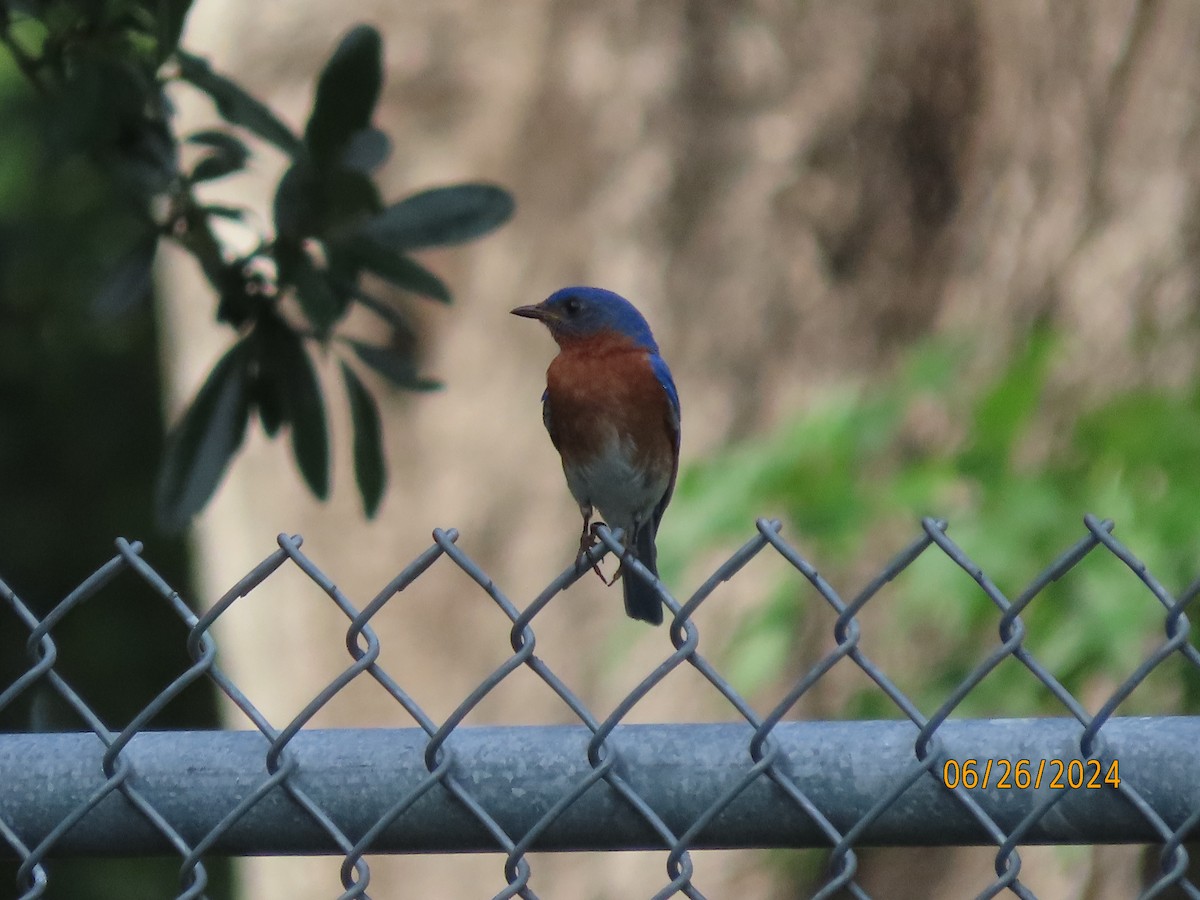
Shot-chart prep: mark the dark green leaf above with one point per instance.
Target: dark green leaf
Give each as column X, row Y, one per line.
column 229, row 154
column 309, row 204
column 348, row 195
column 220, row 140
column 297, row 202
column 302, row 403
column 214, row 166
column 395, row 267
column 367, row 150
column 171, row 16
column 271, row 340
column 201, row 445
column 347, row 92
column 237, row 305
column 225, row 212
column 397, row 367
column 269, row 399
column 266, row 386
column 322, row 305
column 447, row 215
column 128, row 284
column 237, row 106
column 370, row 467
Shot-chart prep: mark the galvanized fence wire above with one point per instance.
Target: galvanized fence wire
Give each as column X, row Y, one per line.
column 766, row 763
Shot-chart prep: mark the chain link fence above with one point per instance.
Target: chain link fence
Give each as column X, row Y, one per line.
column 604, row 784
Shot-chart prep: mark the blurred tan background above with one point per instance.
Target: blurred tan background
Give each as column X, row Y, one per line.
column 791, row 192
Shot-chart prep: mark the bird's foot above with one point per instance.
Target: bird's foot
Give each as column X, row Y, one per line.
column 587, row 540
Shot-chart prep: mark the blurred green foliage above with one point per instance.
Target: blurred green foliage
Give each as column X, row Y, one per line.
column 100, row 69
column 1014, row 478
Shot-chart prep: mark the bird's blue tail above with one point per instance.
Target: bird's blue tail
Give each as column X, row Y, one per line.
column 641, row 598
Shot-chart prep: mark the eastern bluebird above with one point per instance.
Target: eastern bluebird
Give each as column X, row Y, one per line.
column 613, row 414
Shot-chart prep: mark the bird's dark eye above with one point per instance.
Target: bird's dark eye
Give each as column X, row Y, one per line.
column 572, row 306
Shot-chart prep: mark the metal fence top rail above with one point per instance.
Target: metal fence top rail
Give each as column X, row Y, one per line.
column 355, row 775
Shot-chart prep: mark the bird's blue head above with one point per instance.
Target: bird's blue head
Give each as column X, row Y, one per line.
column 574, row 313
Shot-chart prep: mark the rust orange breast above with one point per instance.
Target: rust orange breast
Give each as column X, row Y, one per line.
column 602, row 388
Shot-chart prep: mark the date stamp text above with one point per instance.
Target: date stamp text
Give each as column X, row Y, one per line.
column 1022, row 774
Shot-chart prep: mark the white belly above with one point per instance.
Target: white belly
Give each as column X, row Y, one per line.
column 615, row 487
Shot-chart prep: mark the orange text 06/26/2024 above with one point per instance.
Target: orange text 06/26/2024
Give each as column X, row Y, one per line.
column 1022, row 774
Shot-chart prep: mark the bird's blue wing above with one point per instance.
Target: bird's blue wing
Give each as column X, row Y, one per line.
column 546, row 418
column 663, row 374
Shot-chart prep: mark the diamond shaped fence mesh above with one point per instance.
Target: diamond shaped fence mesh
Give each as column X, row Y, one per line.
column 603, row 784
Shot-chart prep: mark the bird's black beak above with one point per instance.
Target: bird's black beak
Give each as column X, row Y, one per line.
column 531, row 312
